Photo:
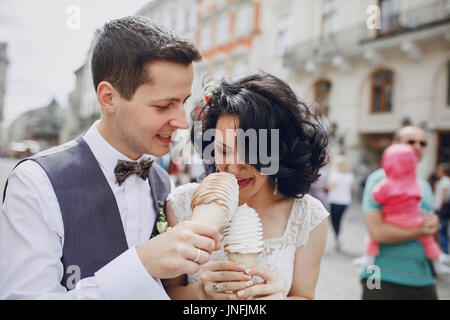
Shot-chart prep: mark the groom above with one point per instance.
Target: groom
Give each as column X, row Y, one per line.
column 77, row 219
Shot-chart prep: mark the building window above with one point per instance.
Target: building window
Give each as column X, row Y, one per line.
column 205, row 36
column 190, row 17
column 166, row 20
column 322, row 90
column 172, row 20
column 329, row 19
column 382, row 91
column 244, row 20
column 223, row 29
column 389, row 16
column 240, row 68
column 220, row 72
column 284, row 35
column 180, row 23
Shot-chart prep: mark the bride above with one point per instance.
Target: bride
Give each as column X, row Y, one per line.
column 294, row 223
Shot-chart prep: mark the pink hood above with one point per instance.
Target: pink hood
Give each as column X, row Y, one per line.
column 399, row 162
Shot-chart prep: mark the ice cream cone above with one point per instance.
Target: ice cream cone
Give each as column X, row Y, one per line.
column 243, row 237
column 215, row 199
column 211, row 213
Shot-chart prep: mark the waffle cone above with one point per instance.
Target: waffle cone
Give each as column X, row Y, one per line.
column 210, row 213
column 247, row 259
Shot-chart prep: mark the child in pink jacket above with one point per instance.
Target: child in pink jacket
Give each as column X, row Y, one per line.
column 399, row 195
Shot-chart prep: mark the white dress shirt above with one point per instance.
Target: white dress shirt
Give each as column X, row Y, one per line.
column 32, row 236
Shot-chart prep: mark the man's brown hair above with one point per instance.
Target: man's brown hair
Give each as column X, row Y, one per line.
column 124, row 47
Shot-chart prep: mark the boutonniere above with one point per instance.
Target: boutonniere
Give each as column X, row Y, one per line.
column 161, row 225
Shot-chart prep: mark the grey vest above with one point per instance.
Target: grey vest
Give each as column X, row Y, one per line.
column 93, row 231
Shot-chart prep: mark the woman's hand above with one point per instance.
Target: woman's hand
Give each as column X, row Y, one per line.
column 269, row 289
column 220, row 280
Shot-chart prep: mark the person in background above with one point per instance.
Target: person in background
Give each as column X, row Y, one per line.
column 399, row 195
column 442, row 195
column 340, row 183
column 363, row 173
column 432, row 180
column 174, row 171
column 399, row 249
column 196, row 168
column 319, row 187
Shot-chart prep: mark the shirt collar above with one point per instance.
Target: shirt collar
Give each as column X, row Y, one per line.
column 106, row 155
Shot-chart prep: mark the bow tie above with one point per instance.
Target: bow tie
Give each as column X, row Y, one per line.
column 124, row 169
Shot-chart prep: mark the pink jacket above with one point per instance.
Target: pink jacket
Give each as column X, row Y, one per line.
column 399, row 194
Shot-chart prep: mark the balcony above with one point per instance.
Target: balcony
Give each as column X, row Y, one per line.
column 403, row 30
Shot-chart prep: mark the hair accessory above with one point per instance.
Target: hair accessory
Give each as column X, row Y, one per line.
column 207, row 98
column 211, row 87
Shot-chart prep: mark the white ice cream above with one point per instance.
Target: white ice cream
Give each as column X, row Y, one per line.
column 244, row 233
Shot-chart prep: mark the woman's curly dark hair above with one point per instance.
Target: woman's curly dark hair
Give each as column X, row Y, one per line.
column 262, row 101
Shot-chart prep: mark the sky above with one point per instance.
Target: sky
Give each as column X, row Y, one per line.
column 47, row 41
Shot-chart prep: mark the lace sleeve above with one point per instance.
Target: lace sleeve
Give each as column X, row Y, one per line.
column 180, row 201
column 309, row 213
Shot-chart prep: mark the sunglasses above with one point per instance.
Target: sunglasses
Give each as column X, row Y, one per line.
column 413, row 142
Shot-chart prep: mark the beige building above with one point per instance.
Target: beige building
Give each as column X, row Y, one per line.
column 83, row 108
column 372, row 66
column 226, row 35
column 42, row 125
column 3, row 68
column 178, row 15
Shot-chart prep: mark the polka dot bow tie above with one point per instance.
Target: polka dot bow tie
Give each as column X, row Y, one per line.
column 124, row 169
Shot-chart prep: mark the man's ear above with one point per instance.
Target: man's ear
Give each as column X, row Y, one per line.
column 107, row 97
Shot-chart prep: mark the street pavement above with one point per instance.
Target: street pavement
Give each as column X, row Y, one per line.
column 338, row 279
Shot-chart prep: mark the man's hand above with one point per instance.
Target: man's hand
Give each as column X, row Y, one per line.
column 430, row 225
column 172, row 253
column 383, row 232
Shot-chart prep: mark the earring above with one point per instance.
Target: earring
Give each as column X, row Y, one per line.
column 275, row 191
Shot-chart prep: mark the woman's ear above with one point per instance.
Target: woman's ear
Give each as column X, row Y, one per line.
column 106, row 96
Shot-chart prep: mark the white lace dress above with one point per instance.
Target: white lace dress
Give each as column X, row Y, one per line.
column 279, row 253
